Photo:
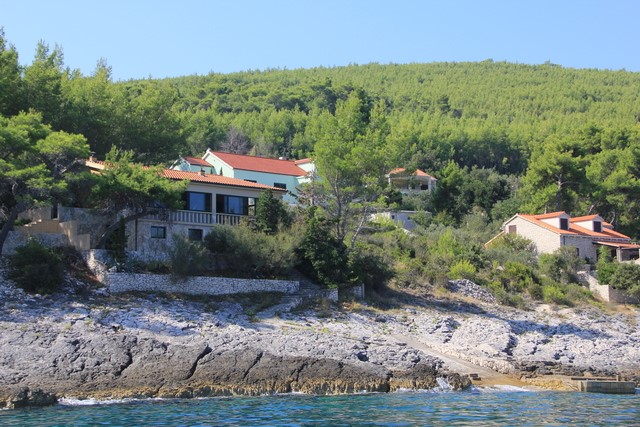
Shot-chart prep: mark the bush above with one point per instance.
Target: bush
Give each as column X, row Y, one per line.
column 505, row 297
column 562, row 265
column 322, row 255
column 271, row 214
column 627, row 278
column 246, row 253
column 605, row 267
column 187, row 258
column 552, row 293
column 36, row 268
column 370, row 267
column 514, row 248
column 463, row 269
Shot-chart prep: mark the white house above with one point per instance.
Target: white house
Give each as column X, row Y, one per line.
column 586, row 234
column 279, row 173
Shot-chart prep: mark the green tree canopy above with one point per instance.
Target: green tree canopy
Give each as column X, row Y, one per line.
column 32, row 166
column 131, row 190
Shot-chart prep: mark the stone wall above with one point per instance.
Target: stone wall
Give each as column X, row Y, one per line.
column 98, row 261
column 125, row 282
column 16, row 239
column 143, row 247
column 609, row 294
column 546, row 241
column 605, row 292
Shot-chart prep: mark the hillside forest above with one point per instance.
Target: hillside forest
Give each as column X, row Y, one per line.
column 500, row 137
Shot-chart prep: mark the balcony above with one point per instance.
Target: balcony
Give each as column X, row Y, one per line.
column 197, row 218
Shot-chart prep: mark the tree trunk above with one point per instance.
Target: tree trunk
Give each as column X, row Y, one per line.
column 102, row 241
column 363, row 219
column 4, row 232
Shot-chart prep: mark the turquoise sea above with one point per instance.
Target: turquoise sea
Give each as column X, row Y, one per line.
column 471, row 408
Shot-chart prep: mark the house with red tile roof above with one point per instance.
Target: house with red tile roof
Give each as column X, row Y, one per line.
column 280, row 173
column 411, row 182
column 586, row 234
column 209, row 200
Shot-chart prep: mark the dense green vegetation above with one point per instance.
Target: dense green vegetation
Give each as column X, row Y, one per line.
column 500, row 137
column 36, row 268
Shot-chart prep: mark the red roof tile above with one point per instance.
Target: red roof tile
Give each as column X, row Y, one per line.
column 418, row 172
column 260, row 164
column 197, row 161
column 215, row 179
column 584, row 218
column 550, row 215
column 574, row 230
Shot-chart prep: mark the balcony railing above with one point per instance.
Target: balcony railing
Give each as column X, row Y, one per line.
column 195, row 217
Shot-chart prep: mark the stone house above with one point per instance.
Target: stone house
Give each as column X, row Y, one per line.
column 280, row 173
column 411, row 182
column 586, row 234
column 210, row 200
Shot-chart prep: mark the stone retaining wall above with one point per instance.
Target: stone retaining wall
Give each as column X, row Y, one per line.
column 125, row 282
column 609, row 294
column 16, row 239
column 605, row 292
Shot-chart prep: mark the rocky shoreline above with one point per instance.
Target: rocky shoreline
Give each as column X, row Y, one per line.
column 112, row 347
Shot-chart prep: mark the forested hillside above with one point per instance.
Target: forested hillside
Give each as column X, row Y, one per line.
column 500, row 137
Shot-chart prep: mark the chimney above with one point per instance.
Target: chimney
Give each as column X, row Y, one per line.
column 92, row 156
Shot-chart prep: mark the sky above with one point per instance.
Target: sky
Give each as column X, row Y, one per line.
column 141, row 38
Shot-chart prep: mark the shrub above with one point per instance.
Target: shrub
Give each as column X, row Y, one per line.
column 627, row 278
column 511, row 247
column 36, row 268
column 322, row 255
column 605, row 267
column 463, row 269
column 243, row 252
column 370, row 267
column 505, row 297
column 519, row 276
column 552, row 293
column 271, row 214
column 561, row 265
column 187, row 258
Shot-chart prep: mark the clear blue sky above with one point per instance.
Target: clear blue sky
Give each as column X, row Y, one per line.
column 141, row 38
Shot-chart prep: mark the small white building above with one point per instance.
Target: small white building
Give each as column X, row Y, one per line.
column 411, row 182
column 586, row 234
column 280, row 173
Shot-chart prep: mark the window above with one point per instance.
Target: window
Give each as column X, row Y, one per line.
column 280, row 185
column 235, row 205
column 513, row 229
column 251, row 180
column 195, row 201
column 564, row 223
column 578, row 252
column 597, row 226
column 195, row 234
column 158, row 232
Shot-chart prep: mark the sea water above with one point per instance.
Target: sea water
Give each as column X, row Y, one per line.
column 479, row 407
